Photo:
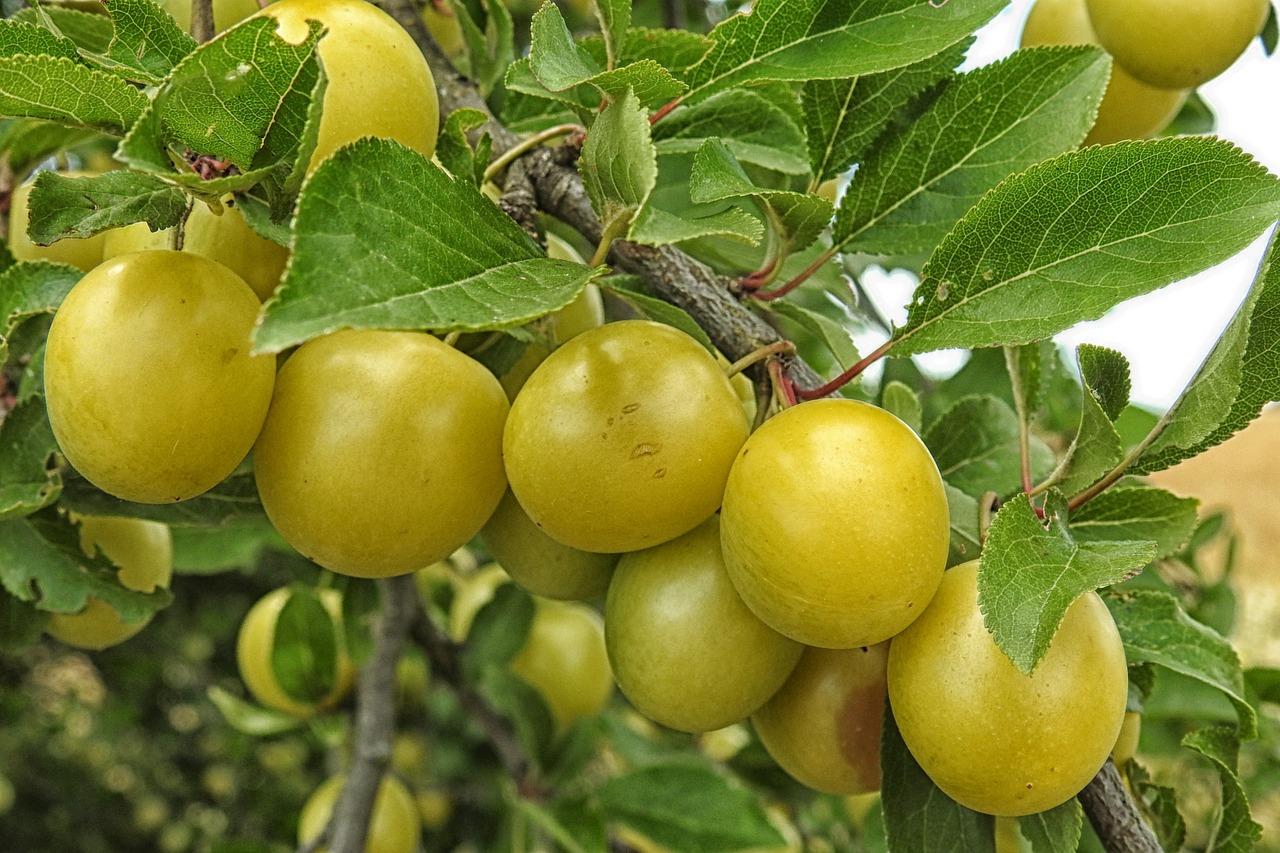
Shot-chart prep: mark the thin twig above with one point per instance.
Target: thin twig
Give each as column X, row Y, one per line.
column 1114, row 816
column 202, row 20
column 374, row 718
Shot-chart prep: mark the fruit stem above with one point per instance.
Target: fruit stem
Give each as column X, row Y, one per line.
column 783, row 387
column 664, row 110
column 612, row 231
column 1122, row 467
column 539, row 138
column 180, row 231
column 758, row 355
column 202, row 20
column 986, row 511
column 801, row 278
column 849, row 375
column 451, row 339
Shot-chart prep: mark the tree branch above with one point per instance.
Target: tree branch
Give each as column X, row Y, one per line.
column 1114, row 815
column 672, row 275
column 444, row 656
column 374, row 721
column 202, row 20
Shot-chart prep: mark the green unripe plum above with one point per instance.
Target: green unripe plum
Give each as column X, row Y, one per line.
column 382, row 451
column 823, row 727
column 254, row 648
column 993, row 739
column 144, row 552
column 564, row 658
column 152, row 391
column 394, row 825
column 685, row 650
column 226, row 13
column 1127, row 741
column 81, row 253
column 1130, row 109
column 399, row 102
column 835, row 524
column 472, row 591
column 539, row 563
column 622, row 439
column 1176, row 44
column 225, row 238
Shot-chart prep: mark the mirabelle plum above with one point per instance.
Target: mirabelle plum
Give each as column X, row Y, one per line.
column 1130, row 109
column 382, row 452
column 623, row 438
column 823, row 727
column 835, row 524
column 685, row 650
column 144, row 552
column 1176, row 44
column 398, row 102
column 990, row 737
column 254, row 648
column 152, row 391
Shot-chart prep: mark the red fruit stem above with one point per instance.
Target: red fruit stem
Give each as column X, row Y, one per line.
column 845, row 378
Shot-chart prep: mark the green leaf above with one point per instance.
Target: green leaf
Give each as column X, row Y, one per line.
column 28, row 482
column 454, row 150
column 41, row 561
column 19, row 38
column 21, row 624
column 1106, row 373
column 755, row 129
column 250, row 719
column 385, row 239
column 918, row 817
column 523, row 705
column 1097, row 446
column 89, row 31
column 491, row 50
column 30, row 289
column 1054, row 831
column 27, row 142
column 1236, row 831
column 1026, row 373
column 555, row 58
column 900, row 400
column 361, row 604
column 813, row 40
column 619, row 166
column 1238, row 377
column 62, row 90
column 831, row 334
column 147, row 43
column 655, row 226
column 1030, row 575
column 675, row 50
column 1195, row 117
column 1137, row 512
column 1159, row 805
column 81, row 207
column 986, row 124
column 975, row 444
column 234, row 498
column 500, row 629
column 796, row 218
column 237, row 544
column 1126, row 218
column 656, row 309
column 1157, row 630
column 966, row 541
column 842, row 118
column 242, row 98
column 615, row 20
column 688, row 808
column 304, row 649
